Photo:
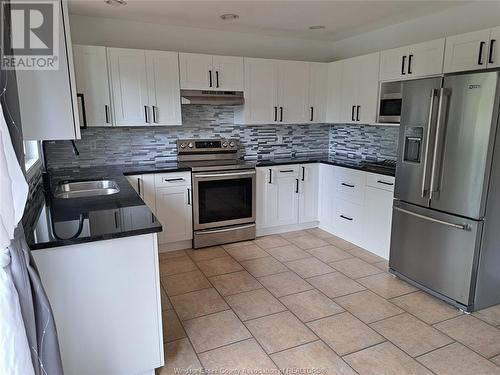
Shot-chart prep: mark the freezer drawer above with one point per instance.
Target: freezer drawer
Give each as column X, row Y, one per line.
column 436, row 250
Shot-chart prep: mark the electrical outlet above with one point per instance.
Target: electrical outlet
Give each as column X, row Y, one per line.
column 279, row 139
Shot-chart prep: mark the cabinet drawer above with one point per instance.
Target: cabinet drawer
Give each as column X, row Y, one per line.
column 350, row 185
column 348, row 221
column 285, row 171
column 172, row 179
column 380, row 181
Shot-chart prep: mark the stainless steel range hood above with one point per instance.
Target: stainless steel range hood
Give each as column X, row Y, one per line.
column 212, row 97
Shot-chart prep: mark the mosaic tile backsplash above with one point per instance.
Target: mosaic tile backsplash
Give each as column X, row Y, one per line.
column 150, row 145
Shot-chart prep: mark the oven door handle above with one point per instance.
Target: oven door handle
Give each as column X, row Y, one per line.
column 232, row 174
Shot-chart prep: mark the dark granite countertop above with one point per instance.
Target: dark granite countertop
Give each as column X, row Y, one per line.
column 51, row 222
column 351, row 163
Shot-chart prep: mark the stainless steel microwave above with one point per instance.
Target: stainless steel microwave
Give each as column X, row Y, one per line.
column 390, row 108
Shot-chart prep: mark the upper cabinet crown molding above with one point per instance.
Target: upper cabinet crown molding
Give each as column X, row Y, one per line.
column 472, row 51
column 413, row 61
column 145, row 87
column 211, row 72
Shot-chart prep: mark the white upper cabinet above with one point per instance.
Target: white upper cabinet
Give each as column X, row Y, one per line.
column 494, row 49
column 92, row 84
column 468, row 51
column 359, row 89
column 129, row 86
column 293, row 85
column 318, row 92
column 334, row 105
column 261, row 90
column 276, row 91
column 145, row 87
column 228, row 72
column 207, row 72
column 163, row 87
column 47, row 98
column 414, row 61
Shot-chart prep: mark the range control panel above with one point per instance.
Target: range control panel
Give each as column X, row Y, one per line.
column 207, row 145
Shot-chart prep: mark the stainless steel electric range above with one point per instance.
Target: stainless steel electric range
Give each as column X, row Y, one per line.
column 223, row 191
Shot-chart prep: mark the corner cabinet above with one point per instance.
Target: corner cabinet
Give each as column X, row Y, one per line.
column 47, row 98
column 414, row 61
column 92, row 85
column 472, row 51
column 318, row 92
column 145, row 88
column 211, row 72
column 287, row 195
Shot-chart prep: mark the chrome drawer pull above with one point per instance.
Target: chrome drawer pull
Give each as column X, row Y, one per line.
column 453, row 225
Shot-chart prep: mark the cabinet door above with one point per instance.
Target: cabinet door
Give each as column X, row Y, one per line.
column 349, row 89
column 293, row 86
column 91, row 74
column 466, row 51
column 334, row 98
column 47, row 98
column 425, row 59
column 286, row 201
column 129, row 86
column 318, row 92
column 260, row 91
column 308, row 193
column 368, row 68
column 135, row 181
column 144, row 185
column 378, row 220
column 327, row 188
column 393, row 64
column 494, row 49
column 163, row 86
column 174, row 213
column 196, row 71
column 228, row 71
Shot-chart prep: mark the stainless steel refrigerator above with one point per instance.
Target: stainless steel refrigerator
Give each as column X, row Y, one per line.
column 446, row 213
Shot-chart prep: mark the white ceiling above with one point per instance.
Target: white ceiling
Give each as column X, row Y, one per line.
column 290, row 18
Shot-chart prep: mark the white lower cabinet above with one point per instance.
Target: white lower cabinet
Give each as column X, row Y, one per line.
column 169, row 196
column 287, row 195
column 378, row 220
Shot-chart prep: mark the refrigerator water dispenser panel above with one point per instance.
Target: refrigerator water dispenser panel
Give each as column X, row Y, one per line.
column 413, row 145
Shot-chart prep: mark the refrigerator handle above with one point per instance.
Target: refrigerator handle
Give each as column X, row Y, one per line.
column 430, row 122
column 453, row 225
column 438, row 141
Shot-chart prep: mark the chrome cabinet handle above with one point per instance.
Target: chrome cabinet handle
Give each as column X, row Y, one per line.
column 423, row 190
column 480, row 56
column 453, row 225
column 490, row 54
column 347, row 185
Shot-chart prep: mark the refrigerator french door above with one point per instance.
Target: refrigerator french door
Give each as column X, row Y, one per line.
column 448, row 128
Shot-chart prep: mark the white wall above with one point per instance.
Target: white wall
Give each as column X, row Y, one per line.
column 469, row 17
column 131, row 34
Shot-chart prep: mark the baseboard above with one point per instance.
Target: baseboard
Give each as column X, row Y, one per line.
column 286, row 228
column 172, row 246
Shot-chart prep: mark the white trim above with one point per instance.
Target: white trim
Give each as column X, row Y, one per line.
column 286, row 228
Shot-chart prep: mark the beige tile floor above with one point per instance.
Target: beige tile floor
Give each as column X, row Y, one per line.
column 311, row 301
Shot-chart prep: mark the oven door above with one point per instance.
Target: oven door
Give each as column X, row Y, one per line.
column 223, row 198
